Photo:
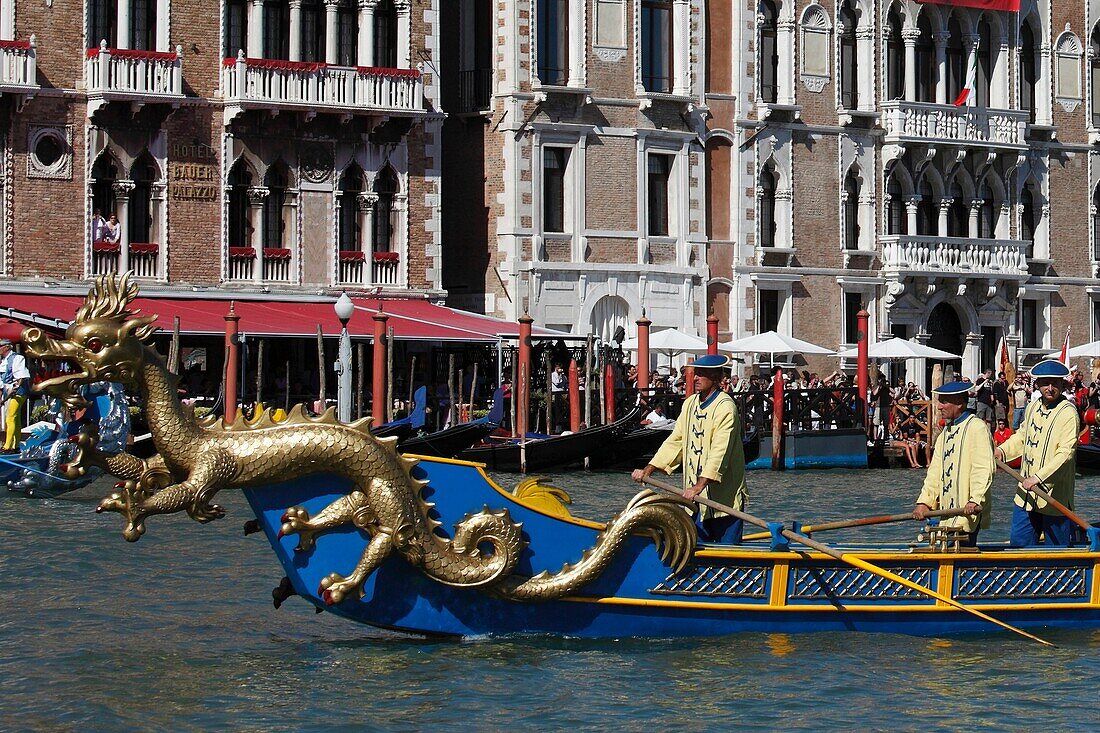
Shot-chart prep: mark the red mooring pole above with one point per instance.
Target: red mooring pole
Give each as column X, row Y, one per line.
column 712, row 334
column 574, row 396
column 523, row 393
column 378, row 367
column 862, row 363
column 778, row 433
column 232, row 321
column 643, row 353
column 609, row 394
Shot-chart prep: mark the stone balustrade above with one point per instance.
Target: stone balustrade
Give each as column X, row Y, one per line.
column 954, row 256
column 116, row 74
column 19, row 65
column 930, row 123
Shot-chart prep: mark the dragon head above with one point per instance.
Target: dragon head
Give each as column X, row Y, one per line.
column 105, row 342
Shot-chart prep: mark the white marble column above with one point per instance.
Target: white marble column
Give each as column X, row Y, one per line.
column 909, row 37
column 257, row 195
column 941, row 67
column 681, row 43
column 404, row 32
column 945, row 210
column 975, row 215
column 865, row 65
column 366, row 202
column 122, row 190
column 332, row 32
column 256, row 29
column 295, row 30
column 122, row 24
column 911, row 205
column 366, row 32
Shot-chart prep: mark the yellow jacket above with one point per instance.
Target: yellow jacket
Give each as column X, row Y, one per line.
column 706, row 441
column 1047, row 443
column 961, row 471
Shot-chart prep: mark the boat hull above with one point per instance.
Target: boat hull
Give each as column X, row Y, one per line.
column 725, row 590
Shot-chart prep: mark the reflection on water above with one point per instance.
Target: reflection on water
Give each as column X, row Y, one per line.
column 177, row 632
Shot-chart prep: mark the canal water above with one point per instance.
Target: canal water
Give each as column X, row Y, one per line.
column 177, row 633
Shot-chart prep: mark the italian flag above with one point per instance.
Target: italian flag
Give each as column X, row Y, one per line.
column 1064, row 357
column 966, row 96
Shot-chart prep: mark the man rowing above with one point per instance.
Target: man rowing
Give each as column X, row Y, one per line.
column 1047, row 443
column 706, row 442
column 960, row 473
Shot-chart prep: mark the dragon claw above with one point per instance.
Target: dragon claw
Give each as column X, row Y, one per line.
column 296, row 520
column 335, row 588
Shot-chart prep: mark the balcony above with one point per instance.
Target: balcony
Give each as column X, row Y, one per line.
column 137, row 77
column 143, row 258
column 270, row 84
column 927, row 123
column 961, row 257
column 384, row 268
column 19, row 67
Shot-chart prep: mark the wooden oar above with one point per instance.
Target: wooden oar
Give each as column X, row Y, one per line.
column 848, row 558
column 1045, row 495
column 865, row 522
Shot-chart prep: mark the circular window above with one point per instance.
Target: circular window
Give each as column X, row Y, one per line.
column 48, row 150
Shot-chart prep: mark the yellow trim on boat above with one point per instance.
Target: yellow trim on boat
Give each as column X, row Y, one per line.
column 883, row 608
column 507, row 494
column 712, row 552
column 1095, row 600
column 946, row 580
column 780, row 573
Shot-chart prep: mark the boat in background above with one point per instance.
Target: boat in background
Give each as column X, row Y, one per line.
column 406, row 426
column 451, row 441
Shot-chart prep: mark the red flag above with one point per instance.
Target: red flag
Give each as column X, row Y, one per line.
column 1064, row 358
column 1004, row 363
column 1011, row 6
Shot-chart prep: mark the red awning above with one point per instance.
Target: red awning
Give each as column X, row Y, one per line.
column 411, row 320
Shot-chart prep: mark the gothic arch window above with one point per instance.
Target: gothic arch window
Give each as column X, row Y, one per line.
column 1029, row 69
column 851, row 210
column 140, row 211
column 102, row 16
column 815, row 48
column 239, row 228
column 1029, row 211
column 897, row 217
column 927, row 210
column 385, row 35
column 769, row 52
column 987, row 212
column 276, row 181
column 385, row 187
column 849, row 62
column 987, row 62
column 1067, row 69
column 1094, row 69
column 104, row 174
column 895, row 55
column 955, row 59
column 925, row 61
column 351, row 185
column 768, row 185
column 958, row 213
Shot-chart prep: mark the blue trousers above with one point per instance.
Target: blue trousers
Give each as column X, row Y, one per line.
column 1026, row 527
column 724, row 530
column 1017, row 418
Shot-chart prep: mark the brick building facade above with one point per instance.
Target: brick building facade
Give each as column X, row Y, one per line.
column 841, row 173
column 572, row 166
column 283, row 146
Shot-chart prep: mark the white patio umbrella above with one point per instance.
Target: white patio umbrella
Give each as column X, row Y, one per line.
column 670, row 342
column 898, row 348
column 1091, row 349
column 772, row 343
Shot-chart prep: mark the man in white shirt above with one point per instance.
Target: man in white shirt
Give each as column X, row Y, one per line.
column 15, row 380
column 99, row 227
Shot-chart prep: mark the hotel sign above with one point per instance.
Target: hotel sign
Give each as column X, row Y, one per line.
column 194, row 174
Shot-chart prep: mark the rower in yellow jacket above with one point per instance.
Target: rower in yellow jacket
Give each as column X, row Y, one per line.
column 1047, row 443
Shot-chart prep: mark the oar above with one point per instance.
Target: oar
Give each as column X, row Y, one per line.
column 1045, row 495
column 848, row 558
column 865, row 522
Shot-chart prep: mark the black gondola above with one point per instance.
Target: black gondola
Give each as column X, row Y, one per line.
column 451, row 441
column 1088, row 458
column 638, row 446
column 551, row 453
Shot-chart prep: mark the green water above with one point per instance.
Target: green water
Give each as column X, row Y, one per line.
column 177, row 633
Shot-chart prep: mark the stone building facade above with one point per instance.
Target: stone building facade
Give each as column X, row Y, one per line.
column 841, row 174
column 573, row 169
column 278, row 146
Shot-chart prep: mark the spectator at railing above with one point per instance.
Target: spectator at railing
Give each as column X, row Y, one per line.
column 98, row 227
column 112, row 231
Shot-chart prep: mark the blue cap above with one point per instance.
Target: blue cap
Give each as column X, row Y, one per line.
column 712, row 361
column 1051, row 369
column 953, row 388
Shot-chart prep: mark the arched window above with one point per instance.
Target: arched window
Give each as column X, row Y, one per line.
column 276, row 30
column 351, row 185
column 1068, row 52
column 769, row 52
column 104, row 174
column 274, row 230
column 849, row 77
column 895, row 56
column 102, row 16
column 143, row 173
column 1094, row 63
column 385, row 35
column 385, row 186
column 897, row 216
column 1029, row 70
column 926, row 62
column 143, row 25
column 927, row 211
column 851, row 211
column 956, row 60
column 987, row 212
column 240, row 231
column 987, row 63
column 958, row 213
column 1029, row 215
column 767, row 206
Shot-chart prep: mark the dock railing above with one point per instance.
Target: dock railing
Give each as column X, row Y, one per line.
column 912, row 412
column 804, row 410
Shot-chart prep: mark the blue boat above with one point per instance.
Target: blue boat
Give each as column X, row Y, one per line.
column 722, row 590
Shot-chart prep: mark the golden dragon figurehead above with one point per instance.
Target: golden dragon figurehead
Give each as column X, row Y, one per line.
column 105, row 342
